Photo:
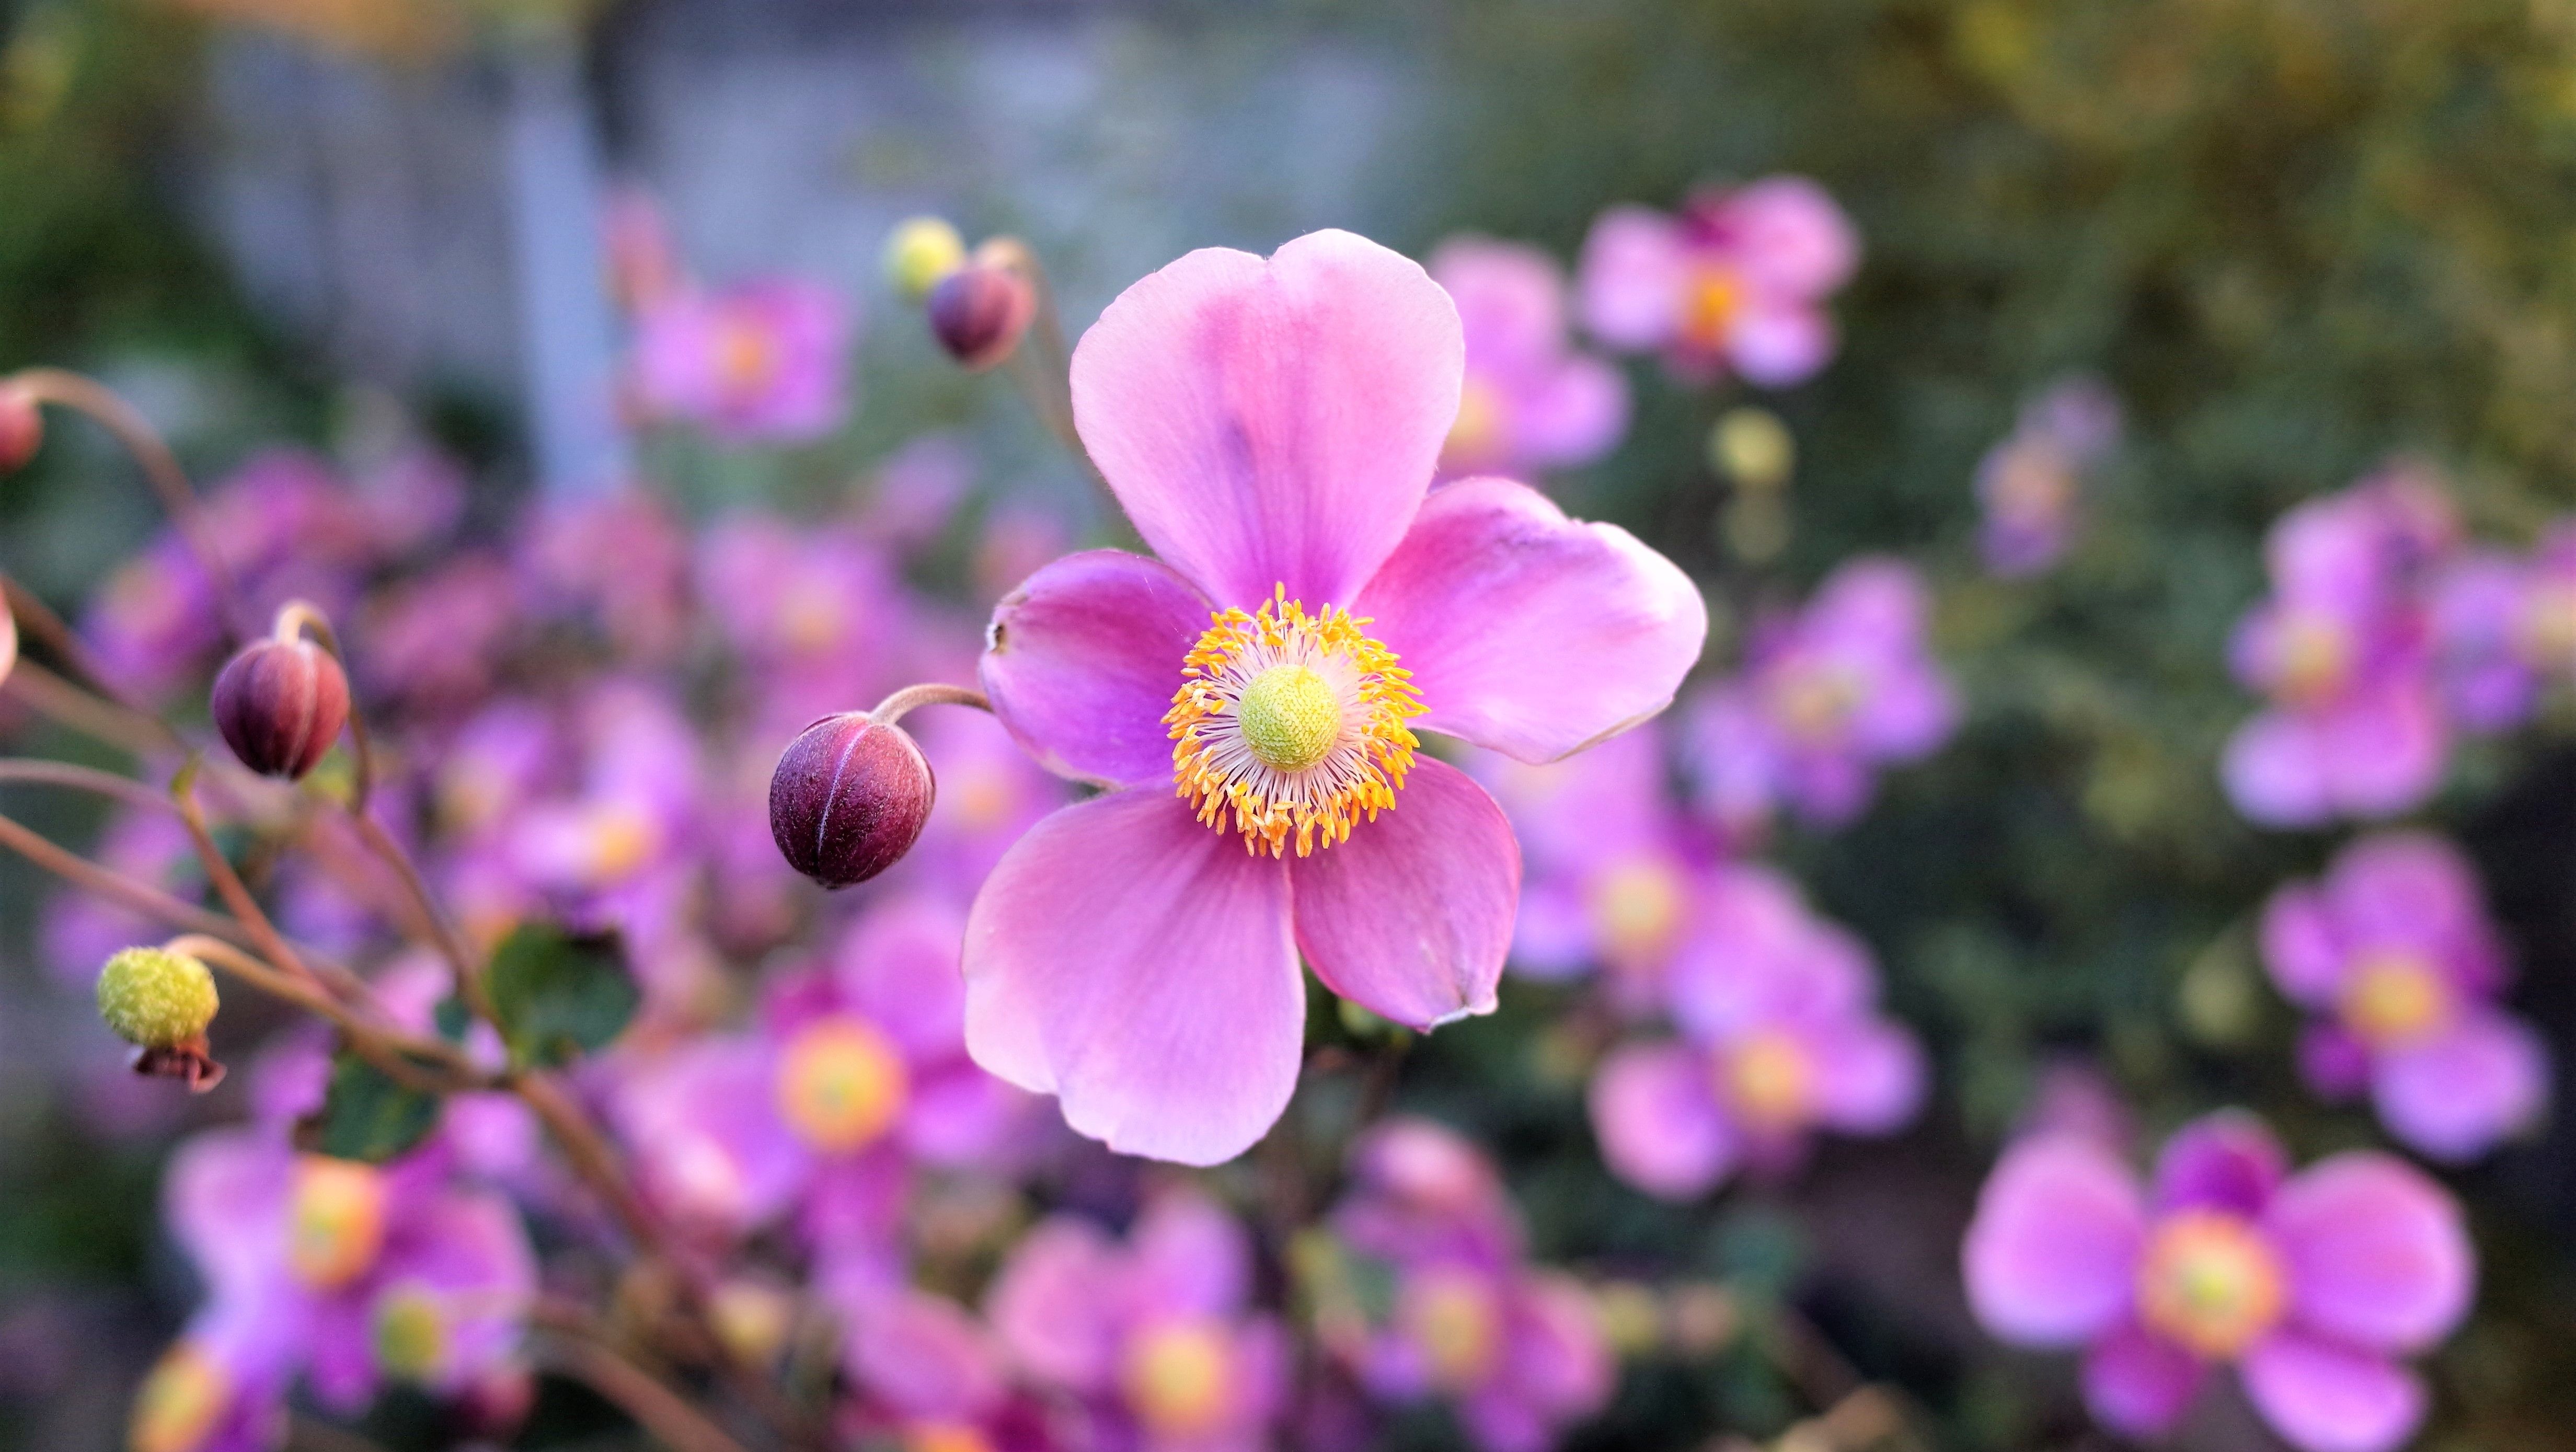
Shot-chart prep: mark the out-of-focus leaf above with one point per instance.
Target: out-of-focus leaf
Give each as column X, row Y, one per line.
column 559, row 994
column 365, row 1115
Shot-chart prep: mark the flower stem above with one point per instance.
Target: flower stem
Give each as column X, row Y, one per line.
column 100, row 718
column 895, row 707
column 578, row 1350
column 38, row 622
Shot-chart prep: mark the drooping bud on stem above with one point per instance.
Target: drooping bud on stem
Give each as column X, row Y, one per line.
column 980, row 311
column 849, row 798
column 161, row 1002
column 919, row 252
column 22, row 427
column 280, row 704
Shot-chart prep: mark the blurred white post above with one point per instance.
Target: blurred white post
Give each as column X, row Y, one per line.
column 566, row 334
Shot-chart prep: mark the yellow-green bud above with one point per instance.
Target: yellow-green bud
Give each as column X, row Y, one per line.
column 156, row 998
column 1754, row 448
column 920, row 252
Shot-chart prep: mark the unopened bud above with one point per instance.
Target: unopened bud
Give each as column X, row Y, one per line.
column 161, row 1002
column 22, row 427
column 849, row 799
column 980, row 311
column 280, row 704
column 920, row 252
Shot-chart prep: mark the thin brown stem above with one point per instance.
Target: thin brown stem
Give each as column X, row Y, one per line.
column 160, row 466
column 663, row 1413
column 407, row 1058
column 893, row 708
column 109, row 883
column 82, row 778
column 1041, row 366
column 98, row 717
column 38, row 622
column 228, row 884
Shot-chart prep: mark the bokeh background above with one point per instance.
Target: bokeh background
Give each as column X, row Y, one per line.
column 2295, row 238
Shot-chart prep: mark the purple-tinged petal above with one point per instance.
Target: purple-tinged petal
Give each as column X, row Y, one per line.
column 2053, row 1250
column 2138, row 1384
column 2301, row 949
column 958, row 1115
column 1273, row 422
column 1082, row 659
column 1789, row 234
column 224, row 1200
column 898, row 968
column 1776, row 344
column 1054, row 1305
column 2386, row 750
column 1141, row 967
column 2334, row 1061
column 1575, row 415
column 1412, row 917
column 923, row 1355
column 2465, row 1091
column 1189, row 1258
column 1510, row 297
column 1527, row 631
column 2225, row 1161
column 2322, row 1397
column 1658, row 1121
column 2376, row 1252
column 2274, row 769
column 1869, row 1077
column 1632, row 278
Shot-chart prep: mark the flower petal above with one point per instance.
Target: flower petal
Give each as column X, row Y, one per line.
column 1273, row 422
column 1412, row 917
column 1139, row 966
column 2301, row 948
column 1081, row 662
column 1632, row 278
column 2459, row 1095
column 1527, row 631
column 2376, row 1252
column 1870, row 1077
column 2054, row 1246
column 2326, row 1398
column 2225, row 1161
column 2137, row 1384
column 1658, row 1122
column 1054, row 1304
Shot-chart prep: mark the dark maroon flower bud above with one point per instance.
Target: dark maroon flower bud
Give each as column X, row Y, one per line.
column 979, row 312
column 22, row 427
column 280, row 705
column 849, row 799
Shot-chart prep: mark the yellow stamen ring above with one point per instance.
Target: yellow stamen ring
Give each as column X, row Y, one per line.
column 1293, row 723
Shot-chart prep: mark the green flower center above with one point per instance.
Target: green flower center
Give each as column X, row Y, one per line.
column 1290, row 717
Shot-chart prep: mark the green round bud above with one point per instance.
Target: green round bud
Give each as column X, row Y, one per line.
column 156, row 998
column 921, row 251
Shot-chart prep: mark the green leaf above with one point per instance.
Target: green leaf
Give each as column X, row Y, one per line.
column 365, row 1115
column 559, row 994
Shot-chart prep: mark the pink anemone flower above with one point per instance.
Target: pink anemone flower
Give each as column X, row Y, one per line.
column 2312, row 1285
column 1530, row 402
column 1735, row 282
column 1271, row 427
column 761, row 362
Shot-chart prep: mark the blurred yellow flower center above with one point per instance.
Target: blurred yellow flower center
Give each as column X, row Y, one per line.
column 1711, row 299
column 1478, row 430
column 2394, row 996
column 1291, row 724
column 335, row 1221
column 1814, row 702
column 2210, row 1282
column 2549, row 626
column 1769, row 1078
column 2032, row 484
column 945, row 1437
column 841, row 1083
column 411, row 1333
column 1452, row 1318
column 1177, row 1377
column 752, row 1319
column 1636, row 907
column 621, row 839
column 746, row 357
column 982, row 792
column 179, row 1402
column 2315, row 658
column 810, row 617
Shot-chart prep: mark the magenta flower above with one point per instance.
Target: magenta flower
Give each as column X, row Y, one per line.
column 935, row 1377
column 1610, row 871
column 2312, row 1286
column 761, row 362
column 1529, row 402
column 1779, row 1038
column 2394, row 949
column 1154, row 1339
column 2030, row 485
column 2354, row 728
column 1516, row 1350
column 1736, row 282
column 2504, row 628
column 1825, row 697
column 1271, row 428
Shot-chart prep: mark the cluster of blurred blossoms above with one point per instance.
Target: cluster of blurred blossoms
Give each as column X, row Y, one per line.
column 816, row 1153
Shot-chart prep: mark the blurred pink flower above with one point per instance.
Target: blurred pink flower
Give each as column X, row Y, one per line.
column 2030, row 485
column 2504, row 627
column 1529, row 402
column 1826, row 696
column 762, row 362
column 1155, row 1339
column 2354, row 727
column 2312, row 1286
column 1271, row 426
column 2394, row 950
column 1737, row 281
column 1780, row 1038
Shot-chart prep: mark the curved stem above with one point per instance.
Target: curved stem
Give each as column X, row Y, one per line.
column 893, row 708
column 228, row 884
column 99, row 718
column 401, row 1056
column 1041, row 367
column 40, row 624
column 580, row 1352
column 107, row 882
column 104, row 405
column 83, row 779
